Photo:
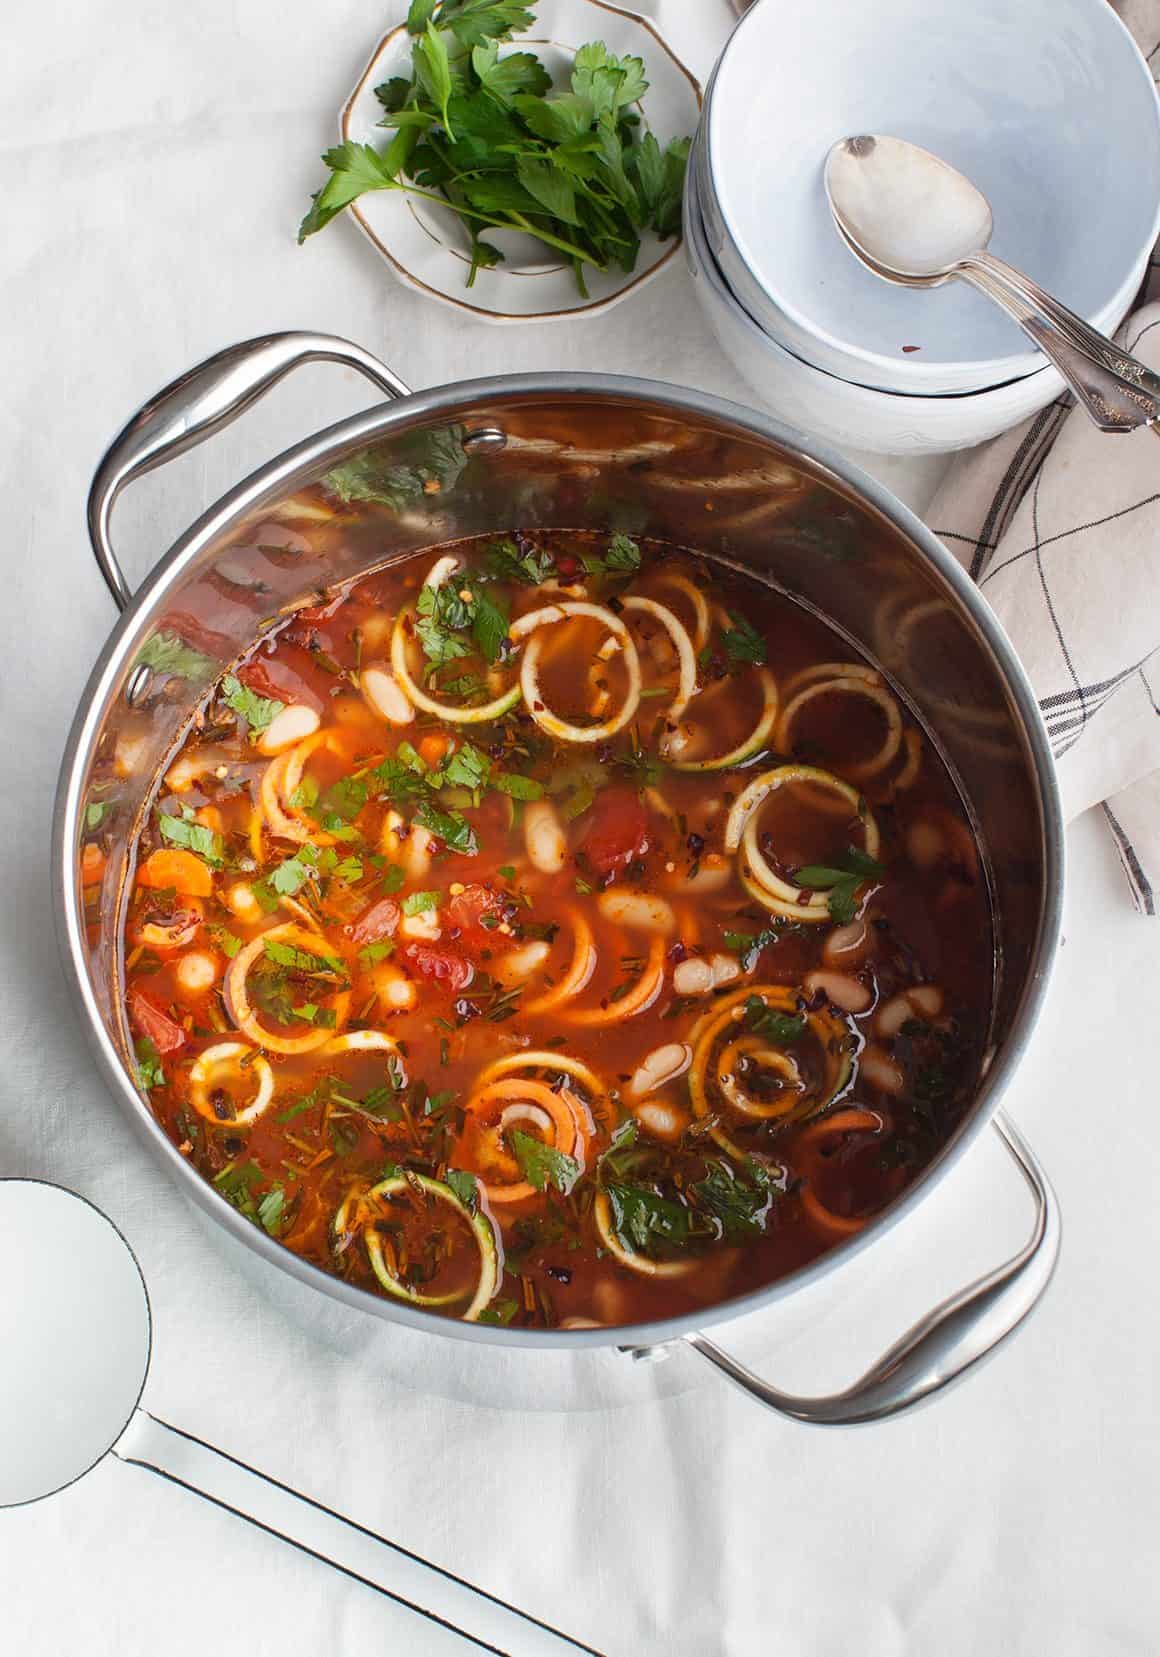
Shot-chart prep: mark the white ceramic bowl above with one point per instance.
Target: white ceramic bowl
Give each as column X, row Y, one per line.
column 851, row 416
column 1047, row 105
column 426, row 244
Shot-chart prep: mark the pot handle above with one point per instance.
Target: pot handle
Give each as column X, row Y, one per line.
column 948, row 1341
column 201, row 402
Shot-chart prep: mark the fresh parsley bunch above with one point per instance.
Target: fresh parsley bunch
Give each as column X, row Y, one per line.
column 479, row 133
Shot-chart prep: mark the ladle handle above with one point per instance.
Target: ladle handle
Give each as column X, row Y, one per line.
column 1119, row 392
column 476, row 1617
column 201, row 402
column 948, row 1341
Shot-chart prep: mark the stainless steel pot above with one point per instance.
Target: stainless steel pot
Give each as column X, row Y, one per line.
column 601, row 452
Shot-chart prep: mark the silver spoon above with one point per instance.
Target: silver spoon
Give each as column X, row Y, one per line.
column 912, row 219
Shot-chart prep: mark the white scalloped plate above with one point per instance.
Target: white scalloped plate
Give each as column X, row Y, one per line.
column 426, row 245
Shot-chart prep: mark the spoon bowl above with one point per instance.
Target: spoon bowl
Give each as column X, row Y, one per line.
column 906, row 210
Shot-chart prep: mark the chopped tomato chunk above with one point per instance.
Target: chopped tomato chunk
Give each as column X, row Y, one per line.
column 617, row 833
column 442, row 965
column 280, row 680
column 154, row 1022
column 476, row 912
column 378, row 920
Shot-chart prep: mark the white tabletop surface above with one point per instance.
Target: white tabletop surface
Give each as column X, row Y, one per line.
column 157, row 163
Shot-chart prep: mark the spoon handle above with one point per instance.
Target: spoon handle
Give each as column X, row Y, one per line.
column 1118, row 392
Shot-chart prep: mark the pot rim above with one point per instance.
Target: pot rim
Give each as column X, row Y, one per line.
column 280, row 476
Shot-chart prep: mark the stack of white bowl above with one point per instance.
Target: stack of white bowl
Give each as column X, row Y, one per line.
column 1046, row 104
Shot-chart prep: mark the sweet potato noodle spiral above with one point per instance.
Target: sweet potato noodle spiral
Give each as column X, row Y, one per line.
column 557, row 1119
column 549, row 615
column 240, row 1006
column 364, row 1212
column 722, row 1044
column 755, row 872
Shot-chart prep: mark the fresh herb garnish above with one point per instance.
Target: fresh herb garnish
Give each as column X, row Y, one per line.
column 169, row 653
column 508, row 562
column 272, row 1215
column 621, row 557
column 642, row 1217
column 451, row 827
column 456, row 615
column 465, row 1186
column 519, row 788
column 776, row 1026
column 749, row 945
column 257, row 711
column 419, row 903
column 480, row 133
column 744, row 645
column 150, row 1073
column 741, row 1206
column 841, row 880
column 192, row 836
column 543, row 1165
column 500, row 1311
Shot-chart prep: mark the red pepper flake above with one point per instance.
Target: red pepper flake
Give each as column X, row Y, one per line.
column 909, row 348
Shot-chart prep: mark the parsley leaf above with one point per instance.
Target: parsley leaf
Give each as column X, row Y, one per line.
column 150, row 1072
column 169, row 653
column 419, row 903
column 465, row 1186
column 743, row 643
column 776, row 1026
column 742, row 1208
column 543, row 1165
column 529, row 565
column 641, row 1217
column 451, row 827
column 272, row 1215
column 193, row 837
column 519, row 788
column 841, row 881
column 749, row 945
column 500, row 1311
column 257, row 711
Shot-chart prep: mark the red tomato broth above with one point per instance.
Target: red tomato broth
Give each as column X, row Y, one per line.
column 338, row 1124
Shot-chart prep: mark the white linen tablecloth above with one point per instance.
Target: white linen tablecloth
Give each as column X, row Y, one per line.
column 157, row 162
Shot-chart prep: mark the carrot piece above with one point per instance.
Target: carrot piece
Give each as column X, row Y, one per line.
column 171, row 866
column 433, row 748
column 210, row 817
column 92, row 865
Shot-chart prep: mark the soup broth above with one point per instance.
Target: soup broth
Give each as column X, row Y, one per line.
column 556, row 931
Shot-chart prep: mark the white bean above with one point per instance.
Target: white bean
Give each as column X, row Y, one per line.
column 921, row 1001
column 846, row 945
column 193, row 763
column 544, row 837
column 840, row 988
column 877, row 1067
column 418, row 849
column 423, row 927
column 661, row 1120
column 240, row 901
column 386, row 696
column 287, row 728
column 196, row 972
column 520, row 964
column 393, row 988
column 693, row 977
column 726, row 969
column 639, row 910
column 663, row 1064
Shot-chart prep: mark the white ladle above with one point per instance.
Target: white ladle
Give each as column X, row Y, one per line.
column 914, row 220
column 77, row 1334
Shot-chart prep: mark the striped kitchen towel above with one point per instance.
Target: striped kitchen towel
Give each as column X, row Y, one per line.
column 1059, row 524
